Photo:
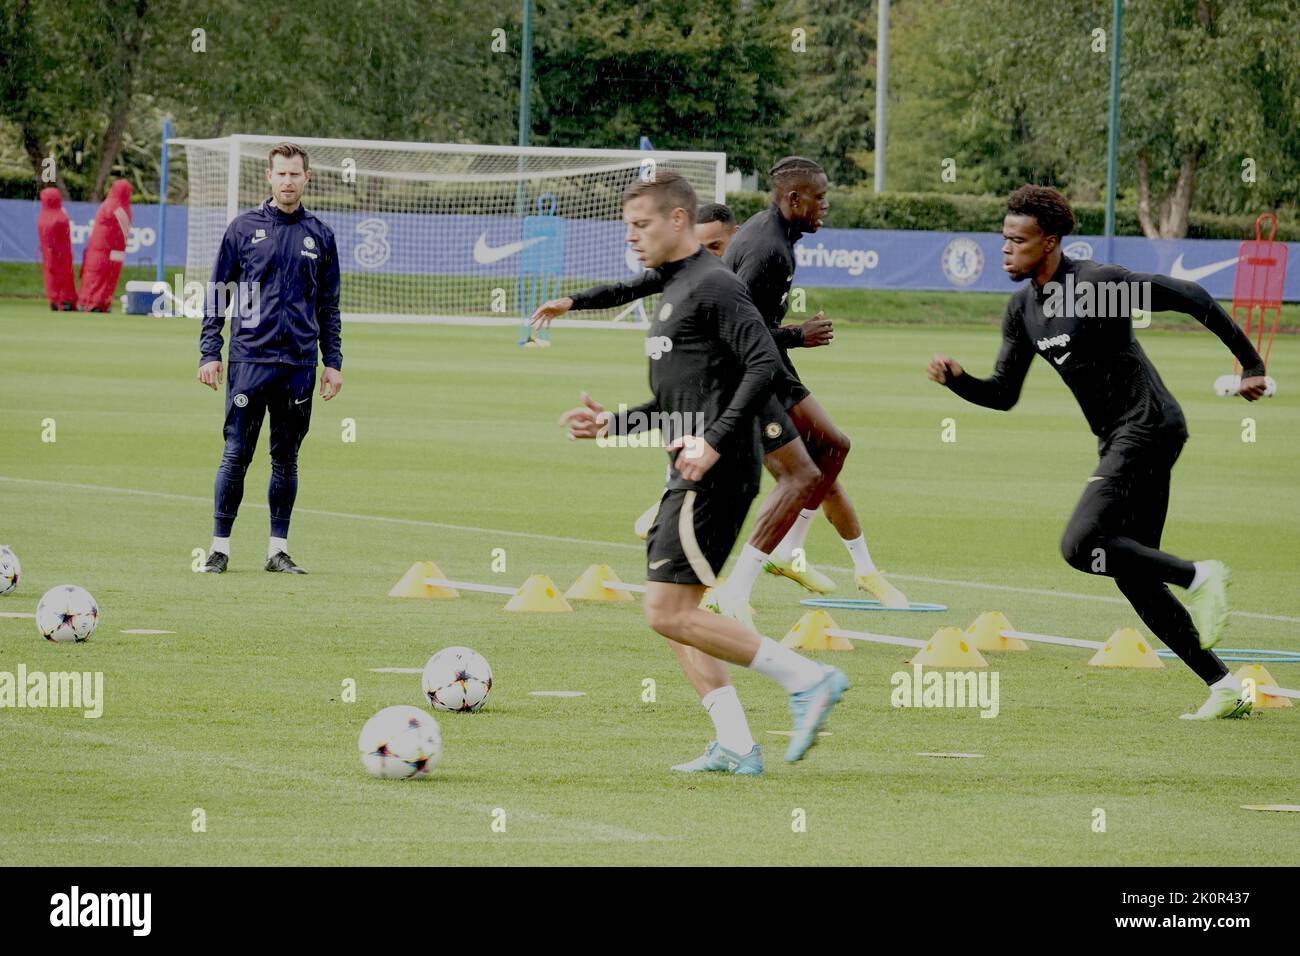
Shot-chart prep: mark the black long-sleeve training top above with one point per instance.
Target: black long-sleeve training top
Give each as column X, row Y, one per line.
column 762, row 255
column 712, row 363
column 647, row 282
column 1080, row 322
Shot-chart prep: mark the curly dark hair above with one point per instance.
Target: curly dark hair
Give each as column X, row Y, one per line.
column 1048, row 207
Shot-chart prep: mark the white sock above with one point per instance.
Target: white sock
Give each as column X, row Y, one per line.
column 729, row 723
column 792, row 671
column 795, row 537
column 862, row 563
column 1227, row 681
column 220, row 544
column 1202, row 572
column 277, row 545
column 745, row 573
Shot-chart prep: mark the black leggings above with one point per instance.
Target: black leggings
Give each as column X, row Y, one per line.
column 1115, row 530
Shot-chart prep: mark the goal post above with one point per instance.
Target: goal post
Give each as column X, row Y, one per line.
column 447, row 232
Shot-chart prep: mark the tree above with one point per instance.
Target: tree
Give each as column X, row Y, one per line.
column 690, row 74
column 831, row 98
column 1202, row 85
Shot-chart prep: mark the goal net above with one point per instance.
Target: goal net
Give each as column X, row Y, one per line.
column 437, row 232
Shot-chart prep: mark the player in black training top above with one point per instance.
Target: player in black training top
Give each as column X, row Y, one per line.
column 762, row 255
column 1076, row 315
column 784, row 453
column 711, row 366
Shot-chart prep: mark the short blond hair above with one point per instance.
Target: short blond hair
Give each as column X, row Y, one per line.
column 288, row 151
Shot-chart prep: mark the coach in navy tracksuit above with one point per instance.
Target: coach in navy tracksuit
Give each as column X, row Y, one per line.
column 284, row 264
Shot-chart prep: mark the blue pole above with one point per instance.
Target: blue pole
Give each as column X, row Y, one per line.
column 162, row 203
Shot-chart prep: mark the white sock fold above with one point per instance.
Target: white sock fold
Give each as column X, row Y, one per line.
column 1227, row 681
column 795, row 537
column 220, row 544
column 276, row 546
column 862, row 563
column 729, row 723
column 1202, row 572
column 792, row 671
column 745, row 573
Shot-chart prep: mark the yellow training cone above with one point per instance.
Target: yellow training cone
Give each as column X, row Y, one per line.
column 1262, row 678
column 949, row 648
column 1126, row 648
column 538, row 593
column 809, row 634
column 590, row 586
column 985, row 633
column 412, row 584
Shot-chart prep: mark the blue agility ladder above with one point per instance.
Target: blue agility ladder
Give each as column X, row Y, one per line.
column 541, row 262
column 868, row 604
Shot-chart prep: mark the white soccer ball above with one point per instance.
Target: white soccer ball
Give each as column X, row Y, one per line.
column 1226, row 385
column 400, row 743
column 10, row 570
column 67, row 613
column 1270, row 386
column 457, row 679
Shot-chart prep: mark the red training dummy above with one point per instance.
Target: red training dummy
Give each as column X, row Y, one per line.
column 106, row 250
column 55, row 236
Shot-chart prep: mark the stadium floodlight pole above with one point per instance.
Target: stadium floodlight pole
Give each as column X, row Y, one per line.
column 525, row 88
column 1112, row 138
column 882, row 78
column 162, row 202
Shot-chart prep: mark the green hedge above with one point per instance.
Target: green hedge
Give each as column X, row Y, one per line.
column 940, row 212
column 19, row 184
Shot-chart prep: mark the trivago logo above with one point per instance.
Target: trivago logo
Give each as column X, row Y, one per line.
column 137, row 238
column 854, row 261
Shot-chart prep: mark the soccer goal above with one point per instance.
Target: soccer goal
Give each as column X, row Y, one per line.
column 431, row 232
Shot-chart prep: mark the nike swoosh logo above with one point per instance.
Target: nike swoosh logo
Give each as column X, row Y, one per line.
column 486, row 255
column 656, row 565
column 1058, row 361
column 1195, row 275
column 299, row 401
column 1096, row 478
column 257, row 239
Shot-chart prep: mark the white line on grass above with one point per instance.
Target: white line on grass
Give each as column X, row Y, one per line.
column 158, row 754
column 562, row 539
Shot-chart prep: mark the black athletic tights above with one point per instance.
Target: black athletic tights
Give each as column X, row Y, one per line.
column 1115, row 530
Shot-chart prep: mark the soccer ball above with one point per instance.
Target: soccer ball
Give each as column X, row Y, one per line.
column 10, row 570
column 1226, row 385
column 67, row 613
column 400, row 743
column 458, row 679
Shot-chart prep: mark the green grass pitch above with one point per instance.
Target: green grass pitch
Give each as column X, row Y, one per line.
column 241, row 714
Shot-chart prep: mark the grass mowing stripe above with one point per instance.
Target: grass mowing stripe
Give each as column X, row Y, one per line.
column 563, row 539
